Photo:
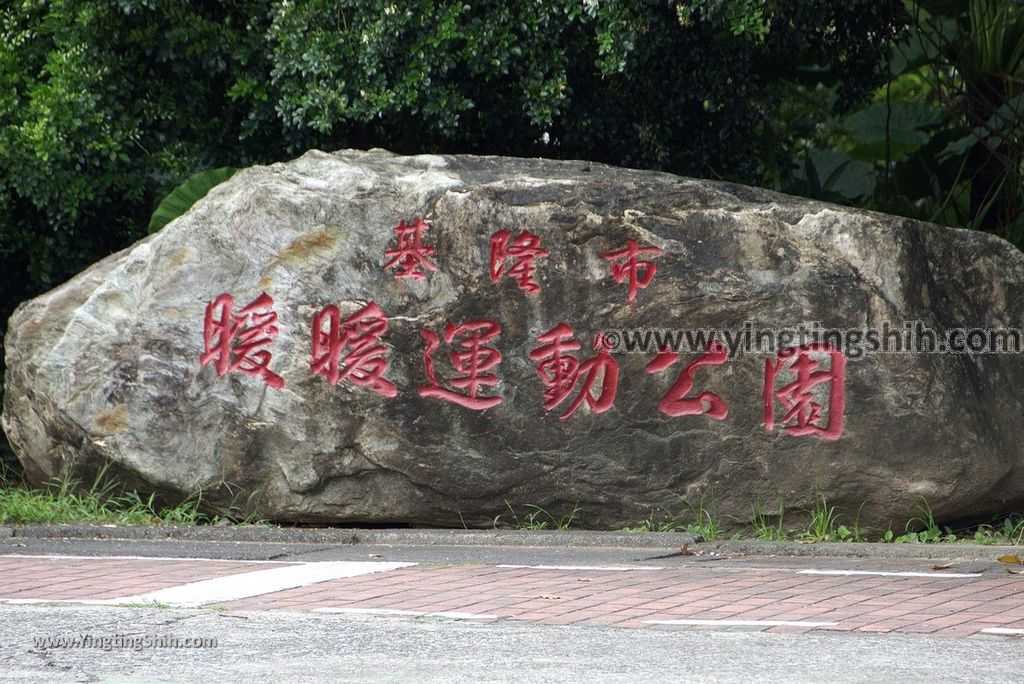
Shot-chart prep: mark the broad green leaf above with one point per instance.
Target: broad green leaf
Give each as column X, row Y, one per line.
column 181, row 199
column 914, row 51
column 905, row 123
column 833, row 172
column 961, row 146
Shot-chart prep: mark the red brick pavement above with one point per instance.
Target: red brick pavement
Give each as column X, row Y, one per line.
column 637, row 598
column 64, row 578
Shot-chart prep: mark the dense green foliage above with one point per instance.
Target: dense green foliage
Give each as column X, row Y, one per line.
column 942, row 141
column 107, row 105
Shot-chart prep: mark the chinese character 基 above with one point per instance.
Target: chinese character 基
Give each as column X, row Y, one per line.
column 471, row 357
column 351, row 349
column 559, row 370
column 625, row 266
column 237, row 341
column 802, row 408
column 521, row 251
column 409, row 257
column 675, row 402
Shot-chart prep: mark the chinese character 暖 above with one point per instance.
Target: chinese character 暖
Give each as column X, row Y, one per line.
column 237, row 341
column 351, row 349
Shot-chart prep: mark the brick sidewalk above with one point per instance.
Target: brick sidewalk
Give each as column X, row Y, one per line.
column 688, row 595
column 63, row 578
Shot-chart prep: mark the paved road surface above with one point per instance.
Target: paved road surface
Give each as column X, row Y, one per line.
column 87, row 610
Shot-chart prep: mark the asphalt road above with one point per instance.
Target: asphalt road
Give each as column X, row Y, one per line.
column 278, row 646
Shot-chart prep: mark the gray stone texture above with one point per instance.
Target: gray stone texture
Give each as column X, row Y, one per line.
column 105, row 368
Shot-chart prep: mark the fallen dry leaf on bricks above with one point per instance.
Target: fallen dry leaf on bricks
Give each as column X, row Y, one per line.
column 1011, row 559
column 943, row 566
column 1015, row 572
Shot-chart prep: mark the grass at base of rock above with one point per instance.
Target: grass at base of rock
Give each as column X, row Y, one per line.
column 106, row 503
column 827, row 524
column 102, row 503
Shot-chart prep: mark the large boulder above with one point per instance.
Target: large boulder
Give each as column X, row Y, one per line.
column 141, row 363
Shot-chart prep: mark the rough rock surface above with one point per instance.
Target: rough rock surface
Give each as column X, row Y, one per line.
column 106, row 369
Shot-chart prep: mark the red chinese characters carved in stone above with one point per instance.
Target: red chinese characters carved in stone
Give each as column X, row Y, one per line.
column 350, row 349
column 522, row 251
column 802, row 411
column 625, row 266
column 237, row 341
column 471, row 357
column 560, row 371
column 675, row 401
column 409, row 257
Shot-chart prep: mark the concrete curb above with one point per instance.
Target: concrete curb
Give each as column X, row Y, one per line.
column 947, row 552
column 505, row 538
column 370, row 537
column 241, row 533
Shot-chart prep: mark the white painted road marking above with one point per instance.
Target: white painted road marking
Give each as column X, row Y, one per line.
column 1005, row 631
column 450, row 614
column 879, row 573
column 258, row 582
column 367, row 611
column 616, row 568
column 743, row 623
column 457, row 615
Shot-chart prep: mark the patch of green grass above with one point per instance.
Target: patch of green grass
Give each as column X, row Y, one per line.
column 539, row 519
column 769, row 526
column 705, row 520
column 927, row 530
column 667, row 523
column 144, row 604
column 103, row 502
column 824, row 519
column 825, row 525
column 1009, row 531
